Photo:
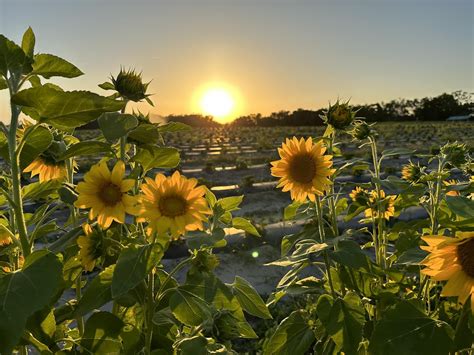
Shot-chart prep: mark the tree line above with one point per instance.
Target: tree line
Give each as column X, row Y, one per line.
column 437, row 108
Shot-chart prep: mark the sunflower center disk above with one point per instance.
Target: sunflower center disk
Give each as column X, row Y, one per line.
column 466, row 256
column 302, row 169
column 110, row 194
column 172, row 206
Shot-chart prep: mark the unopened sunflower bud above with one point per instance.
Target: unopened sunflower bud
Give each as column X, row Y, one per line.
column 340, row 115
column 455, row 153
column 412, row 173
column 130, row 86
column 361, row 130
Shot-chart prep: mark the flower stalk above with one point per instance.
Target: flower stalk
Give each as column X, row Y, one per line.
column 322, row 234
column 13, row 153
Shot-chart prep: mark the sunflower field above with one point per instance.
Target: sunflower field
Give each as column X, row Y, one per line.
column 358, row 277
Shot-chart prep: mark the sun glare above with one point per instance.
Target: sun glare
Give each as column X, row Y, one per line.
column 218, row 103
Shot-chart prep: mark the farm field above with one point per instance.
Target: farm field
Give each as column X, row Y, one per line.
column 138, row 237
column 232, row 160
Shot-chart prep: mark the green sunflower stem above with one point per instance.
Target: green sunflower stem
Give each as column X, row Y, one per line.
column 380, row 234
column 15, row 172
column 79, row 319
column 319, row 216
column 150, row 310
column 435, row 196
column 123, row 140
column 331, row 198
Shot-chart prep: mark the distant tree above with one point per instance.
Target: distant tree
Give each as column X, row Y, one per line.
column 439, row 108
column 426, row 109
column 194, row 120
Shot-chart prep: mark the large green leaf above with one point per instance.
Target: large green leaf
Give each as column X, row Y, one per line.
column 460, row 205
column 188, row 308
column 65, row 109
column 97, row 293
column 349, row 253
column 48, row 65
column 102, row 334
column 145, row 133
column 249, row 299
column 115, row 125
column 39, row 190
column 231, row 327
column 404, row 329
column 245, row 225
column 12, row 57
column 196, row 345
column 86, row 148
column 293, row 336
column 36, row 143
column 24, row 292
column 343, row 320
column 157, row 157
column 230, row 204
column 133, row 264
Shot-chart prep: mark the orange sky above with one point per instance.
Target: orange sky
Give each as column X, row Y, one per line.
column 274, row 55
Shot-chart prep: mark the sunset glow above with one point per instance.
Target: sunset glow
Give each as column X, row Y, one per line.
column 218, row 103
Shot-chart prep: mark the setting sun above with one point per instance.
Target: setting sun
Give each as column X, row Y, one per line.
column 218, row 103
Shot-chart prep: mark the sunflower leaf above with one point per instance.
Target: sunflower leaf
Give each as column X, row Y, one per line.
column 133, row 264
column 24, row 292
column 64, row 110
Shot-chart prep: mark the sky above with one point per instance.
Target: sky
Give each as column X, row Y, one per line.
column 270, row 55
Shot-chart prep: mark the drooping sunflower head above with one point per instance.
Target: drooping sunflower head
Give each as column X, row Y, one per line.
column 91, row 246
column 105, row 194
column 361, row 130
column 130, row 85
column 412, row 172
column 173, row 204
column 386, row 203
column 340, row 115
column 47, row 168
column 359, row 195
column 303, row 169
column 452, row 259
column 456, row 153
column 448, row 183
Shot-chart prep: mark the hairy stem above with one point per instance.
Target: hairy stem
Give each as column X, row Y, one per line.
column 319, row 216
column 15, row 172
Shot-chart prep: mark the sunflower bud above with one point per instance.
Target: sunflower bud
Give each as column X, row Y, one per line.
column 412, row 172
column 340, row 116
column 361, row 130
column 204, row 260
column 455, row 153
column 130, row 86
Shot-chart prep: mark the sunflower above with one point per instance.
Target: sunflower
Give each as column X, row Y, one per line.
column 452, row 259
column 359, row 195
column 90, row 245
column 303, row 169
column 5, row 236
column 173, row 204
column 412, row 172
column 386, row 205
column 105, row 193
column 46, row 169
column 451, row 183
